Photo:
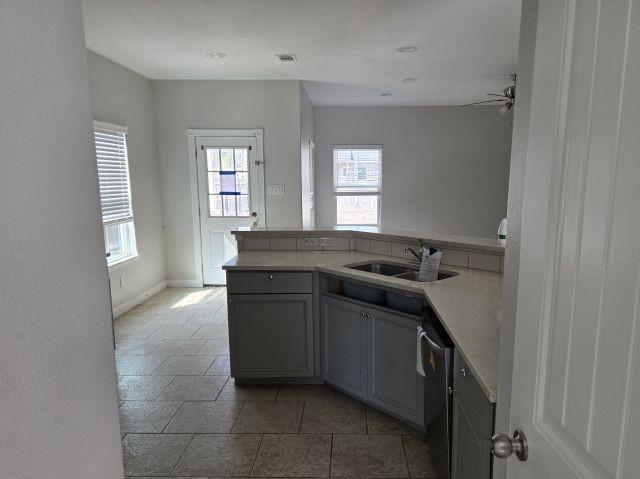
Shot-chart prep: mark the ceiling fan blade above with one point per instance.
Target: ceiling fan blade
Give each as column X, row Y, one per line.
column 495, row 94
column 480, row 102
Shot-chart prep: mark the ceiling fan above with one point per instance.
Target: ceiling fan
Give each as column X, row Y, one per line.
column 507, row 98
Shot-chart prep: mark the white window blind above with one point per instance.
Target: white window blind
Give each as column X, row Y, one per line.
column 357, row 184
column 357, row 168
column 312, row 148
column 113, row 173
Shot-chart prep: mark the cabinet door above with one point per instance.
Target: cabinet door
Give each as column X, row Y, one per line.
column 271, row 335
column 343, row 345
column 393, row 383
column 473, row 416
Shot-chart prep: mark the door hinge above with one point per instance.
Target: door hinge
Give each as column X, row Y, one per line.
column 249, row 148
column 202, row 147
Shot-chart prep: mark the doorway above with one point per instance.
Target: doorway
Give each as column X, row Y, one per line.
column 230, row 194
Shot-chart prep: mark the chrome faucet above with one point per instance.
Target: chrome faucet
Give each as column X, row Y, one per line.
column 418, row 255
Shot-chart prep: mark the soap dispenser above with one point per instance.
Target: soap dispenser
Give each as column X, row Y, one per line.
column 502, row 232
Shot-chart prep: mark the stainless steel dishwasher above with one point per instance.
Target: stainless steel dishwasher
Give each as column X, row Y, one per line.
column 437, row 360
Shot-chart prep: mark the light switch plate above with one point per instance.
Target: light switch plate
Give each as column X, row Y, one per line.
column 277, row 190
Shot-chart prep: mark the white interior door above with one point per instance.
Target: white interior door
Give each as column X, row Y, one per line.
column 231, row 196
column 576, row 376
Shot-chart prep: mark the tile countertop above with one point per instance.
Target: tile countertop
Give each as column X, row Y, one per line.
column 469, row 305
column 375, row 232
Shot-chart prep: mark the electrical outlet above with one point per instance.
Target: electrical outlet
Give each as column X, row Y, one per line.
column 277, row 190
column 330, row 242
column 122, row 281
column 309, row 242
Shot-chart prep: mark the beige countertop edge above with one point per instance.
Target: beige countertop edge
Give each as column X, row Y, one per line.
column 468, row 305
column 469, row 243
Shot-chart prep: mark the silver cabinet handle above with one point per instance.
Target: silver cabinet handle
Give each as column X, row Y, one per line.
column 363, row 314
column 271, row 276
column 464, row 372
column 368, row 316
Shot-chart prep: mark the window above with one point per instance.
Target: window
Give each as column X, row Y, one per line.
column 115, row 192
column 228, row 182
column 357, row 183
column 312, row 148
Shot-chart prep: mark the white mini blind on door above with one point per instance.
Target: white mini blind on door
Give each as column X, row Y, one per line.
column 113, row 172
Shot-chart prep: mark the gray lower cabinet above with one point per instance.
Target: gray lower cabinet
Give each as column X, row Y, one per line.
column 271, row 335
column 393, row 382
column 473, row 417
column 344, row 334
column 371, row 354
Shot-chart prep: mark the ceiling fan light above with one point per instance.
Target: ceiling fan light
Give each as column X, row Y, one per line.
column 504, row 109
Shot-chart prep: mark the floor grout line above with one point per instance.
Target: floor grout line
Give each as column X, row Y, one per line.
column 173, row 469
column 406, row 459
column 255, row 459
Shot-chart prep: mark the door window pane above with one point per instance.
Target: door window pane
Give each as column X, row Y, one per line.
column 215, row 205
column 242, row 183
column 229, row 205
column 228, row 182
column 241, row 159
column 214, row 182
column 243, row 205
column 226, row 159
column 357, row 210
column 213, row 159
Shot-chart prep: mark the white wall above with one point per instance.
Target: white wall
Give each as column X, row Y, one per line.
column 444, row 169
column 528, row 29
column 182, row 104
column 58, row 402
column 306, row 135
column 121, row 96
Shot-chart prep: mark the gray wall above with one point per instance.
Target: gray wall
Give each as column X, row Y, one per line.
column 444, row 169
column 271, row 105
column 306, row 135
column 58, row 403
column 121, row 96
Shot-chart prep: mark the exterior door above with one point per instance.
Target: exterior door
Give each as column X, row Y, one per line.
column 231, row 196
column 576, row 370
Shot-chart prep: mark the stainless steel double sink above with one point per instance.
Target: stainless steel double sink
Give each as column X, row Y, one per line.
column 396, row 270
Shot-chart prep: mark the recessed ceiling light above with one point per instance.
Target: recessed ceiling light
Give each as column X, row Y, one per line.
column 216, row 55
column 407, row 49
column 386, row 93
column 409, row 79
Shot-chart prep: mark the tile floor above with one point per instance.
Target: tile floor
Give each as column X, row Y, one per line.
column 181, row 415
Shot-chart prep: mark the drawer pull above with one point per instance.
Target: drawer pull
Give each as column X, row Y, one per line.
column 363, row 314
column 464, row 372
column 271, row 276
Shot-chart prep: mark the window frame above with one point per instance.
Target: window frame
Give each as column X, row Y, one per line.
column 357, row 191
column 119, row 261
column 220, row 171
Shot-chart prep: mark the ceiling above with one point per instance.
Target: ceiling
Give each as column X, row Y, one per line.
column 346, row 49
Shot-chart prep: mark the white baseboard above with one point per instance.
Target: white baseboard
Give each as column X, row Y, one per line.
column 184, row 283
column 136, row 300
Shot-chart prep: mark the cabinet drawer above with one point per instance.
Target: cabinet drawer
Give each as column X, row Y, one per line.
column 258, row 282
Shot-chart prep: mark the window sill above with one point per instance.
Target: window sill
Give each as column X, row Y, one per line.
column 123, row 263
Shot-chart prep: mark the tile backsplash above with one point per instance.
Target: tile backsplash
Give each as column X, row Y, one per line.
column 450, row 257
